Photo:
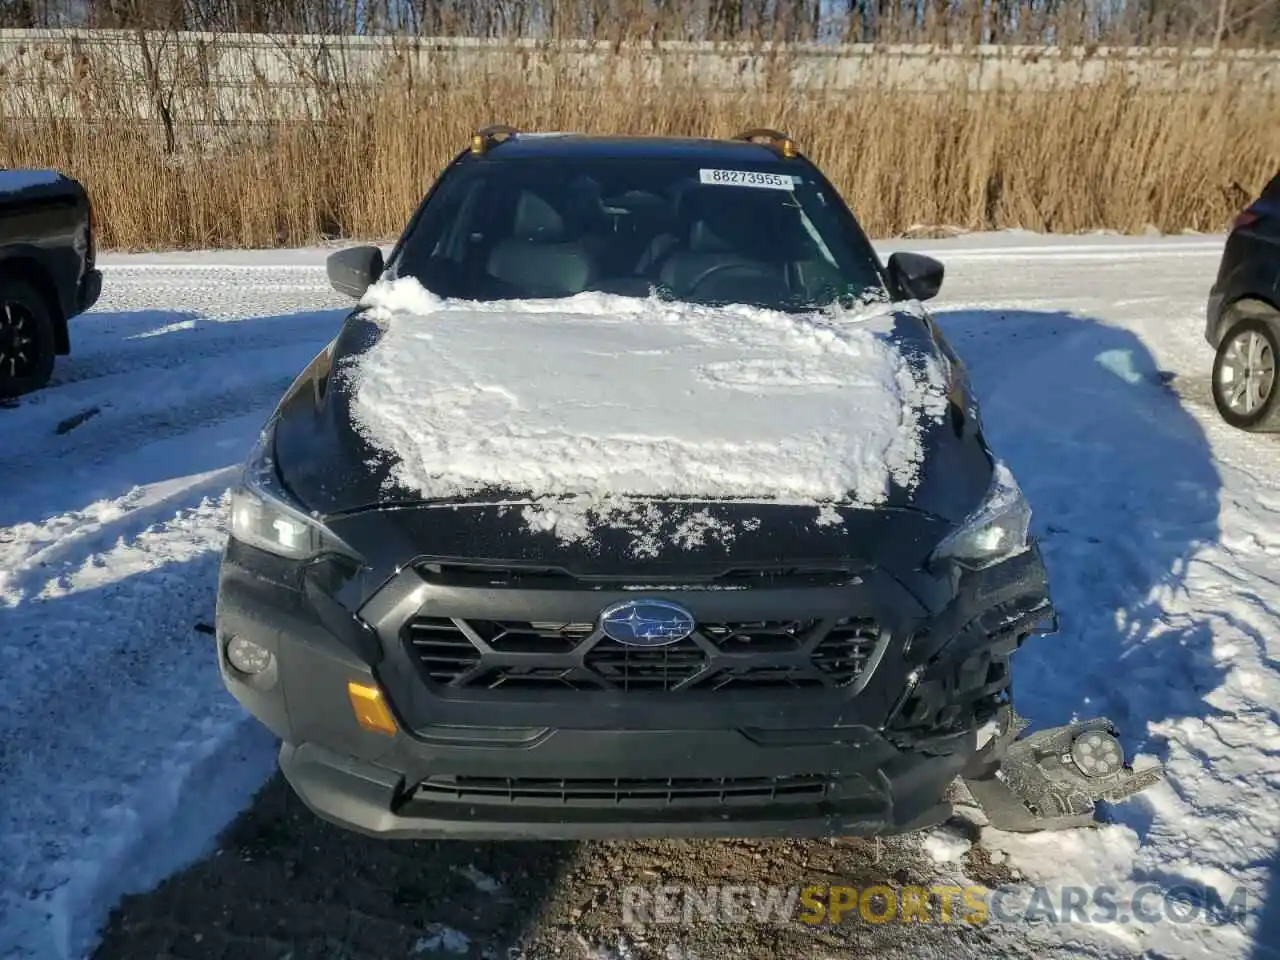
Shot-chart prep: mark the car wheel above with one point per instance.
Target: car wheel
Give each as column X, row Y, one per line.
column 1244, row 376
column 27, row 341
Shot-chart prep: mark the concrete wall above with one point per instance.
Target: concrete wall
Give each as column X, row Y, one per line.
column 213, row 78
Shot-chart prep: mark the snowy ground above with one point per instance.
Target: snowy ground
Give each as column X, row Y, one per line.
column 121, row 757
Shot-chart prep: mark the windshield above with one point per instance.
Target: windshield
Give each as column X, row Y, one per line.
column 768, row 235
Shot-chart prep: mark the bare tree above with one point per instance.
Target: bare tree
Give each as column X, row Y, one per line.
column 1217, row 23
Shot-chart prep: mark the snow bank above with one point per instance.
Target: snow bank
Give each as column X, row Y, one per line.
column 122, row 755
column 603, row 397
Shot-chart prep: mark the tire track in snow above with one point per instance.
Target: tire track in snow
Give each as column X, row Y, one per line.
column 1159, row 531
column 173, row 401
column 104, row 752
column 201, row 342
column 122, row 753
column 40, row 555
column 124, row 424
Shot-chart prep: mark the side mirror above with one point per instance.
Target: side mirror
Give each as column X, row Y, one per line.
column 915, row 275
column 355, row 270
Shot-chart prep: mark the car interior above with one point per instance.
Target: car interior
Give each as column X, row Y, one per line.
column 684, row 239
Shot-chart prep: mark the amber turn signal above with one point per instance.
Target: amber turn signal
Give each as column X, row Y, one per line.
column 370, row 708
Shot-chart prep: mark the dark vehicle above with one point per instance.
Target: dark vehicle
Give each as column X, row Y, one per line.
column 435, row 668
column 1244, row 317
column 47, row 273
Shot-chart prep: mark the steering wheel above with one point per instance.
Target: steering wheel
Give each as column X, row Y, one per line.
column 711, row 271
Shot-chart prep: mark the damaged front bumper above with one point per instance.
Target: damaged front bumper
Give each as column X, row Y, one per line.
column 1048, row 780
column 743, row 743
column 959, row 675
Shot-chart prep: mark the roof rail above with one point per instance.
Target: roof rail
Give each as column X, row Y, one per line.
column 775, row 138
column 491, row 136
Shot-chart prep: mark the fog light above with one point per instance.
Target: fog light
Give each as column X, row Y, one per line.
column 247, row 656
column 1098, row 754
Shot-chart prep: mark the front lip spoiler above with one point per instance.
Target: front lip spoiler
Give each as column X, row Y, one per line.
column 371, row 800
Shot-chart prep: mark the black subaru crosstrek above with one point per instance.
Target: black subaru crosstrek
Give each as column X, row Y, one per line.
column 1243, row 317
column 438, row 666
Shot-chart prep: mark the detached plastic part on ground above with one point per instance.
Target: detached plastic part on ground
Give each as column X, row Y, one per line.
column 1052, row 779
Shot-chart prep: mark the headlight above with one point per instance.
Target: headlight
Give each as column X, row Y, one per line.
column 264, row 516
column 996, row 530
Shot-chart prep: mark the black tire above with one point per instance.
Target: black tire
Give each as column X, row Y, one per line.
column 27, row 341
column 1266, row 417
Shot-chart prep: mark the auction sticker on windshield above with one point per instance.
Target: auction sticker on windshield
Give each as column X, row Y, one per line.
column 748, row 178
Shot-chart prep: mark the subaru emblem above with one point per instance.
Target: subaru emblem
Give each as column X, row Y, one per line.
column 646, row 623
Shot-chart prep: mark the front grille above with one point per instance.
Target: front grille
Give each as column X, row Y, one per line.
column 761, row 636
column 744, row 656
column 637, row 668
column 652, row 792
column 445, row 653
column 517, row 636
column 844, row 652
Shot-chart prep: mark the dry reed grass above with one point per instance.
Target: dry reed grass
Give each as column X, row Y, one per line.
column 1108, row 156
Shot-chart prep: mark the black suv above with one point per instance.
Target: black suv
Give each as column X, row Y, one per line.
column 47, row 273
column 1243, row 313
column 436, row 666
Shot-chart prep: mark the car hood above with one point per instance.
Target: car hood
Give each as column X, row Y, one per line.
column 333, row 469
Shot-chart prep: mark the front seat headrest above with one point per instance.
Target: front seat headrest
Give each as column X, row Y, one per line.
column 535, row 219
column 703, row 238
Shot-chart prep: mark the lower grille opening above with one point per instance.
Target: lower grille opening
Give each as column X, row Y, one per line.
column 652, row 792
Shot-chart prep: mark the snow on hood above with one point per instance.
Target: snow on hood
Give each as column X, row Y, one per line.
column 595, row 399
